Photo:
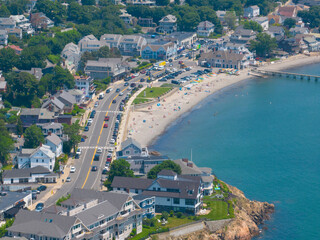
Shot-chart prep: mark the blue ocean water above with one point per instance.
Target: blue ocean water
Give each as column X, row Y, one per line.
column 262, row 136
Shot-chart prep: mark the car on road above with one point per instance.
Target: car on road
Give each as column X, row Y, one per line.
column 118, row 90
column 96, row 104
column 96, row 157
column 106, row 118
column 142, row 80
column 94, row 168
column 114, row 101
column 126, row 84
column 86, row 128
column 120, row 93
column 41, row 188
column 68, row 179
column 99, row 150
column 109, row 159
column 39, row 207
column 105, row 125
column 79, row 151
column 72, row 169
column 112, row 141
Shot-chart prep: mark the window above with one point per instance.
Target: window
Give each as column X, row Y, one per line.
column 168, row 199
column 176, row 201
column 189, row 202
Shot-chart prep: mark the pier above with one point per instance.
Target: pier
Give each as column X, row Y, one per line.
column 287, row 74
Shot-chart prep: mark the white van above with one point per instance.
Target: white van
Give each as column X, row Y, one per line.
column 101, row 95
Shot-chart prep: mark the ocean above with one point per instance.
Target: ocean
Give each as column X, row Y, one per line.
column 262, row 136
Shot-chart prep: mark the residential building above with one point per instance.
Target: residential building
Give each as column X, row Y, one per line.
column 106, row 67
column 17, row 32
column 33, row 157
column 6, row 23
column 52, row 127
column 262, row 21
column 275, row 19
column 159, row 51
column 55, row 143
column 12, row 202
column 16, row 49
column 30, row 116
column 130, row 147
column 142, row 2
column 40, row 21
column 205, row 28
column 182, row 39
column 111, row 40
column 312, row 43
column 131, row 45
column 37, row 174
column 287, row 11
column 87, row 214
column 141, row 165
column 168, row 24
column 277, row 32
column 3, row 37
column 225, row 59
column 298, row 30
column 19, row 20
column 147, row 203
column 126, row 17
column 3, row 86
column 146, row 22
column 85, row 84
column 67, row 99
column 242, row 36
column 78, row 95
column 37, row 72
column 220, row 15
column 252, row 11
column 53, row 104
column 172, row 192
column 90, row 43
column 71, row 55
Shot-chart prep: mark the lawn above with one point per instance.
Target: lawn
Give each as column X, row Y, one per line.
column 140, row 100
column 154, row 92
column 7, row 167
column 174, row 221
column 219, row 210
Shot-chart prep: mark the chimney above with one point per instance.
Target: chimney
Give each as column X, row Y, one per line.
column 185, row 160
column 40, row 144
column 61, row 91
column 49, row 133
column 52, row 98
column 190, row 164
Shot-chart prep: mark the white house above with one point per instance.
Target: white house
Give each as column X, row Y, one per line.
column 168, row 24
column 131, row 147
column 159, row 51
column 85, row 84
column 205, row 28
column 3, row 37
column 40, row 156
column 251, row 11
column 71, row 55
column 262, row 21
column 90, row 43
column 55, row 144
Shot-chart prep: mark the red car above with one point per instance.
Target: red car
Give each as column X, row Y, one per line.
column 109, row 159
column 105, row 125
column 106, row 118
column 143, row 71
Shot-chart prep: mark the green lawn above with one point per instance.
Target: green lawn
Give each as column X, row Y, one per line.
column 174, row 221
column 140, row 100
column 7, row 167
column 219, row 210
column 153, row 92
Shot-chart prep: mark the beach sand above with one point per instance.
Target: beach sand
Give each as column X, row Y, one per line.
column 148, row 123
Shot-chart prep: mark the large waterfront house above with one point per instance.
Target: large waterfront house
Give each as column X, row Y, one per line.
column 87, row 214
column 168, row 24
column 159, row 50
column 179, row 193
column 130, row 148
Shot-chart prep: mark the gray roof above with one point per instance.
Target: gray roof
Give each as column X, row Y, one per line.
column 104, row 62
column 140, row 197
column 54, row 139
column 10, row 199
column 136, row 183
column 13, row 238
column 54, row 209
column 42, row 224
column 226, row 55
column 66, row 96
column 206, row 24
column 165, row 172
column 129, row 141
column 206, row 179
column 206, row 170
column 169, row 18
column 27, row 152
column 100, row 211
column 51, row 125
column 188, row 170
column 45, row 114
column 55, row 101
column 25, row 172
column 30, row 111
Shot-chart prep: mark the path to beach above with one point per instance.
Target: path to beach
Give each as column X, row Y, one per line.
column 147, row 123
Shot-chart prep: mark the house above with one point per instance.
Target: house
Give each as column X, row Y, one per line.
column 16, row 49
column 131, row 147
column 179, row 193
column 182, row 39
column 17, row 32
column 33, row 157
column 225, row 59
column 40, row 21
column 3, row 37
column 220, row 15
column 147, row 203
column 131, row 45
column 126, row 17
column 6, row 23
column 159, row 51
column 106, row 67
column 142, row 2
column 252, row 11
column 52, row 127
column 12, row 202
column 275, row 19
column 287, row 11
column 53, row 104
column 3, row 86
column 205, row 28
column 141, row 165
column 190, row 169
column 168, row 24
column 19, row 20
column 312, row 43
column 71, row 55
column 67, row 99
column 277, row 32
column 85, row 84
column 37, row 174
column 242, row 36
column 37, row 72
column 262, row 21
column 90, row 43
column 290, row 45
column 55, row 143
column 146, row 22
column 78, row 95
column 298, row 30
column 111, row 40
column 87, row 214
column 30, row 116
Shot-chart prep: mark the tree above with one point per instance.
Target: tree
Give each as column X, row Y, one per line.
column 6, row 143
column 8, row 59
column 4, row 11
column 72, row 131
column 253, row 26
column 289, row 23
column 230, row 19
column 120, row 168
column 162, row 2
column 33, row 137
column 62, row 78
column 19, row 127
column 88, row 2
column 168, row 164
column 189, row 21
column 311, row 16
column 263, row 45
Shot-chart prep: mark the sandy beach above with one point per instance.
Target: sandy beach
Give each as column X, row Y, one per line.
column 147, row 123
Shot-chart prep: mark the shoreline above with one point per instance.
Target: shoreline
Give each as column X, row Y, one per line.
column 147, row 124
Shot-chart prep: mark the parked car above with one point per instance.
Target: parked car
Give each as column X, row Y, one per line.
column 106, row 118
column 96, row 104
column 108, row 90
column 112, row 141
column 99, row 150
column 79, row 151
column 94, row 168
column 68, row 179
column 39, row 207
column 104, row 171
column 105, row 125
column 86, row 128
column 41, row 188
column 72, row 169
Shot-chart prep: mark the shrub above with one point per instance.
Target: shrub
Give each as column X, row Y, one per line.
column 165, row 215
column 179, row 214
column 171, row 213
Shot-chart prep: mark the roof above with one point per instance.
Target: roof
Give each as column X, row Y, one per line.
column 66, row 96
column 25, row 172
column 206, row 24
column 104, row 62
column 3, row 84
column 7, row 21
column 169, row 18
column 55, row 101
column 138, row 198
column 131, row 183
column 226, row 55
column 276, row 29
column 51, row 125
column 287, row 11
column 9, row 200
column 30, row 111
column 54, row 139
column 42, row 223
column 54, row 209
column 188, row 170
column 45, row 114
column 207, row 179
column 166, row 172
column 130, row 141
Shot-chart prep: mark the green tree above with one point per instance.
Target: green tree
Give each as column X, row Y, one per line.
column 4, row 11
column 189, row 21
column 120, row 168
column 162, row 2
column 253, row 26
column 33, row 137
column 72, row 131
column 168, row 164
column 62, row 77
column 33, row 56
column 230, row 18
column 3, row 228
column 289, row 23
column 19, row 127
column 8, row 59
column 88, row 2
column 263, row 44
column 6, row 143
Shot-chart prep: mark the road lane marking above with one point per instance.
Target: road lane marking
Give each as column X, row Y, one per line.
column 94, row 153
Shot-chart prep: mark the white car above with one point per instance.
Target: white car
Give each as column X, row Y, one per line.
column 120, row 93
column 68, row 179
column 79, row 151
column 72, row 169
column 90, row 120
column 112, row 141
column 96, row 104
column 99, row 150
column 136, row 74
column 110, row 150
